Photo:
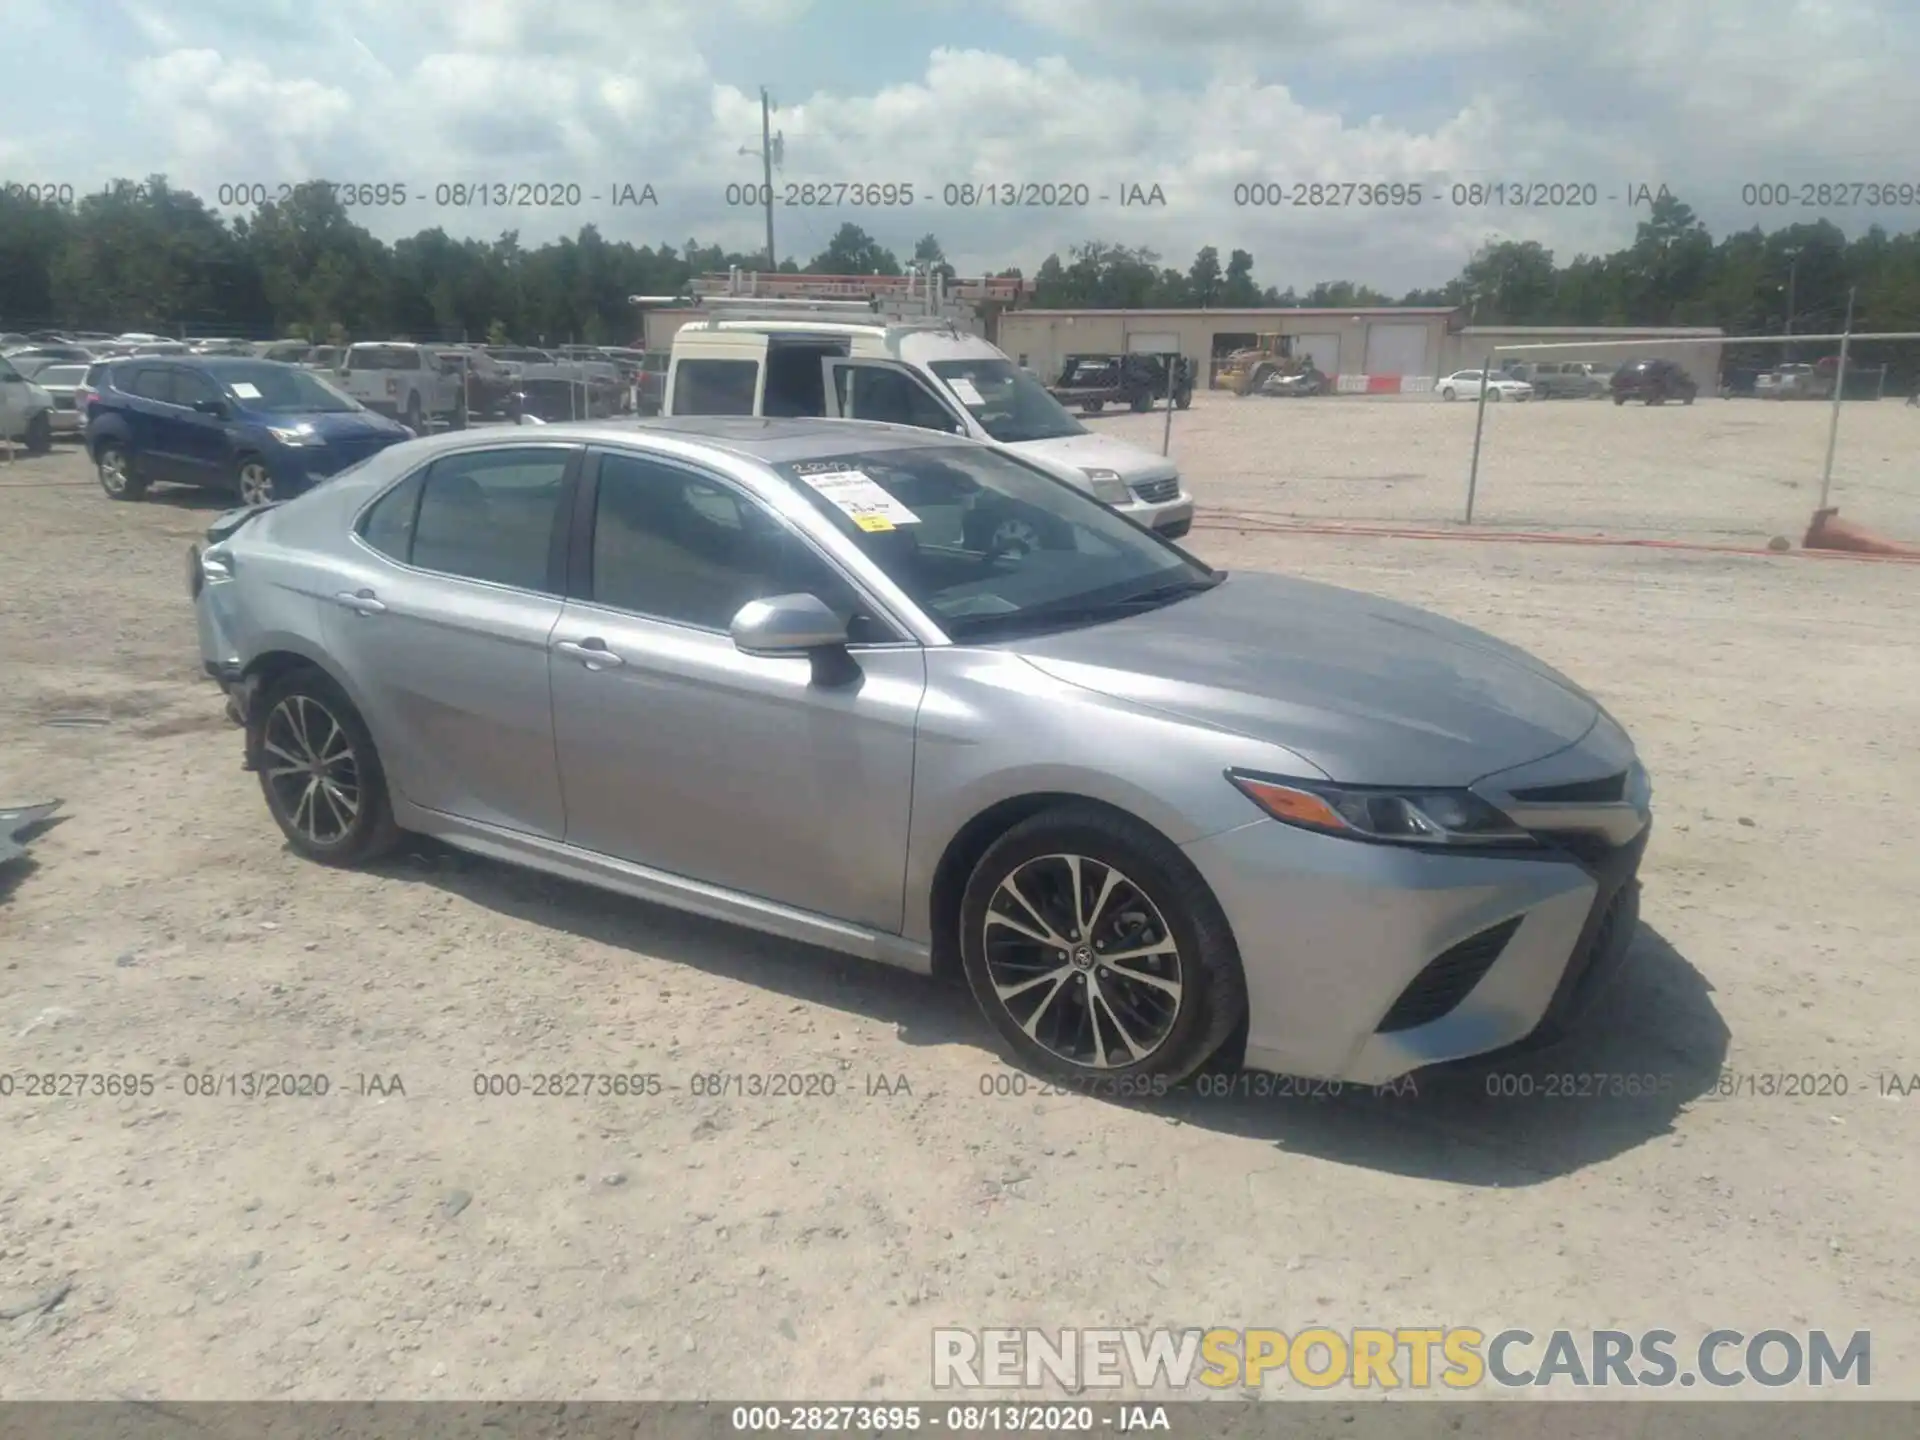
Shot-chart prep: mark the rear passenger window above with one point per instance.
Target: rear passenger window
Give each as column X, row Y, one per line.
column 715, row 387
column 388, row 526
column 150, row 382
column 490, row 515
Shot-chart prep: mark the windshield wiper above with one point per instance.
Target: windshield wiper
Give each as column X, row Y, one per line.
column 1046, row 617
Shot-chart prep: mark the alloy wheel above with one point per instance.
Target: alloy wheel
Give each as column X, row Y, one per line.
column 1083, row 961
column 310, row 764
column 256, row 483
column 113, row 471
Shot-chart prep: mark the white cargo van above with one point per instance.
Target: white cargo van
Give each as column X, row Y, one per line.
column 924, row 373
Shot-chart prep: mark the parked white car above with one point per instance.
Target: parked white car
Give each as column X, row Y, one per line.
column 1465, row 385
column 405, row 382
column 26, row 411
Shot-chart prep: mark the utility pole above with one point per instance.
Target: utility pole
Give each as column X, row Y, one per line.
column 766, row 170
column 1839, row 390
column 1793, row 271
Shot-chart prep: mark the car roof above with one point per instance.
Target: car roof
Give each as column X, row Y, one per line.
column 768, row 440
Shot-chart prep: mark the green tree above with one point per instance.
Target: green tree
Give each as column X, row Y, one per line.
column 852, row 251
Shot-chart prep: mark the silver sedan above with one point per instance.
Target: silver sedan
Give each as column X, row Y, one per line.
column 904, row 696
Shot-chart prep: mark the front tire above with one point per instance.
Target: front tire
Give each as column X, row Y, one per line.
column 414, row 421
column 118, row 476
column 1096, row 951
column 1447, row 392
column 253, row 481
column 320, row 773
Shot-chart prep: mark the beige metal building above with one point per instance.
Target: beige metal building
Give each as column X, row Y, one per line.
column 1696, row 349
column 1387, row 341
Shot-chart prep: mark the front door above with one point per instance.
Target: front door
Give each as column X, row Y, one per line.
column 886, row 391
column 680, row 753
column 198, row 440
column 441, row 624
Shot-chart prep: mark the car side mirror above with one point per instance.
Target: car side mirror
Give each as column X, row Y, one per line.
column 215, row 408
column 797, row 625
column 787, row 625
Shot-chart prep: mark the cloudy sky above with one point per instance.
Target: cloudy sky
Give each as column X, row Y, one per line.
column 1196, row 96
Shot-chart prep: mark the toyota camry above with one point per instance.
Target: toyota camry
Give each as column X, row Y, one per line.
column 901, row 695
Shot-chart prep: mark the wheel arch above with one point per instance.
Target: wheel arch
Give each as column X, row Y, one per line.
column 964, row 849
column 283, row 656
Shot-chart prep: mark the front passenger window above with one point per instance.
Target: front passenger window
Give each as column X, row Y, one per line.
column 672, row 545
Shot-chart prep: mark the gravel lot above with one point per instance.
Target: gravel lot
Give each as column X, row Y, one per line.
column 439, row 1244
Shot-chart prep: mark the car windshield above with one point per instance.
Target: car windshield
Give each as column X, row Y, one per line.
column 989, row 546
column 285, row 390
column 1010, row 404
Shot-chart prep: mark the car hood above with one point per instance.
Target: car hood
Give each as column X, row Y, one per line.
column 1370, row 691
column 335, row 425
column 1100, row 452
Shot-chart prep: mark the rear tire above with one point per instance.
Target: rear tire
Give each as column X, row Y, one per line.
column 1619, row 399
column 320, row 774
column 1032, row 945
column 1141, row 404
column 39, row 436
column 1184, row 400
column 414, row 420
column 118, row 477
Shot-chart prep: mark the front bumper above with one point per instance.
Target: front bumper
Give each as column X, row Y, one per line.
column 1173, row 518
column 1366, row 962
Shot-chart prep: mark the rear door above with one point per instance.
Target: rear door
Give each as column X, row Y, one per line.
column 442, row 620
column 159, row 431
column 716, row 373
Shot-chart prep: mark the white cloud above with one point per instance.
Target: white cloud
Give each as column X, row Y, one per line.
column 1702, row 96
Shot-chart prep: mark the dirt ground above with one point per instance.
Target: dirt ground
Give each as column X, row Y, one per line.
column 440, row 1244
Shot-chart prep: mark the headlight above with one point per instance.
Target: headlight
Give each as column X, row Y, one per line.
column 293, row 435
column 1108, row 486
column 1401, row 817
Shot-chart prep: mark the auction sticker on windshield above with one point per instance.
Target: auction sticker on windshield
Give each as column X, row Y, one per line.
column 856, row 495
column 965, row 389
column 246, row 391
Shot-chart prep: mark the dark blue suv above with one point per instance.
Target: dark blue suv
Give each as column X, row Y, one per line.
column 262, row 430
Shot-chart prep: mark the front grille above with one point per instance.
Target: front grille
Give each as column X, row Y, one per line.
column 1153, row 492
column 1448, row 978
column 1607, row 791
column 1589, row 849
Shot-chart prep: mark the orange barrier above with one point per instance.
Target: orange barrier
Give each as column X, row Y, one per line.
column 1829, row 532
column 1245, row 521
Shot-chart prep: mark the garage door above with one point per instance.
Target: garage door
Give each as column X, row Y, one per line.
column 1153, row 342
column 1323, row 350
column 1398, row 350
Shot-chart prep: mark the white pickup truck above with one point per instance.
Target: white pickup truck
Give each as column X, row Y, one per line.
column 408, row 382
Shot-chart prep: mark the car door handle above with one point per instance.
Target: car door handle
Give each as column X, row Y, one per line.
column 591, row 652
column 363, row 601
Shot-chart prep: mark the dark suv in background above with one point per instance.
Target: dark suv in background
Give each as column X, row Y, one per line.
column 1654, row 381
column 261, row 430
